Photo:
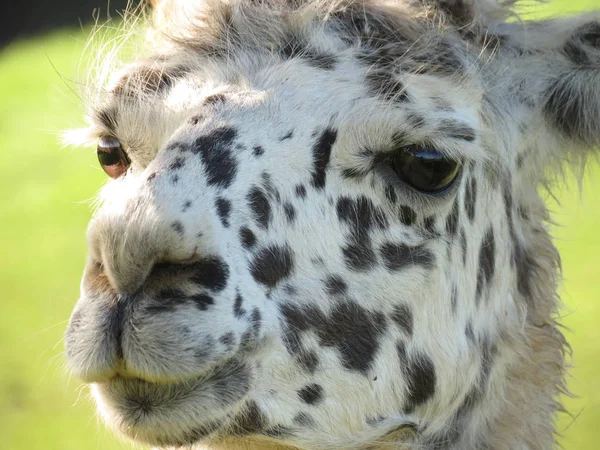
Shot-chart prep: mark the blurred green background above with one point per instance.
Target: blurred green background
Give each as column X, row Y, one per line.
column 45, row 193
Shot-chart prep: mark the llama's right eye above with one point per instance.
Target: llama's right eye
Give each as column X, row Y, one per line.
column 426, row 170
column 112, row 158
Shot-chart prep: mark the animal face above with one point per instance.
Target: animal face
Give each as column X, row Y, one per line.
column 324, row 230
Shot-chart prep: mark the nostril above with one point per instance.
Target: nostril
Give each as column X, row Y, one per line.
column 127, row 272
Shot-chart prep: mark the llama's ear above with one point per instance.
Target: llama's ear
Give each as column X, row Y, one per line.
column 557, row 63
column 573, row 97
column 474, row 13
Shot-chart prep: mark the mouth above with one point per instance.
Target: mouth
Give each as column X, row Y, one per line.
column 174, row 414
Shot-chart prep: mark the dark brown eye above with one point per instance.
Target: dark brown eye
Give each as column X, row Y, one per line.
column 425, row 169
column 111, row 156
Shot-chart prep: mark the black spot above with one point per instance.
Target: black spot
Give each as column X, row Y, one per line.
column 390, row 193
column 211, row 273
column 457, row 130
column 308, row 360
column 247, row 237
column 289, row 289
column 238, row 310
column 463, row 245
column 415, row 120
column 489, row 351
column 508, row 200
column 272, row 264
column 196, row 119
column 151, row 177
column 452, row 219
column 301, row 191
column 355, row 332
column 360, row 215
column 335, row 285
column 228, row 340
column 177, row 226
column 260, row 206
column 470, row 198
column 469, row 332
column 398, row 256
column 487, row 261
column 267, row 183
column 407, row 215
column 311, row 393
column 255, row 321
column 354, row 173
column 321, row 155
column 351, row 329
column 359, row 256
column 290, row 212
column 168, row 299
column 439, row 58
column 223, row 210
column 470, row 401
column 174, row 179
column 186, row 206
column 250, row 421
column 214, row 98
column 151, row 80
column 420, row 377
column 202, row 301
column 178, row 163
column 304, row 420
column 460, row 12
column 429, row 224
column 385, row 83
column 288, row 135
column 215, row 150
column 402, row 316
column 296, row 48
column 257, row 150
column 205, row 350
column 76, row 321
column 526, row 269
column 368, row 26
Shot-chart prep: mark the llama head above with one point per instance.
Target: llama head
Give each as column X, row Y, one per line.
column 324, row 229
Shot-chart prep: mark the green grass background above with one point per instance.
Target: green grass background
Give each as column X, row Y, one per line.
column 44, row 207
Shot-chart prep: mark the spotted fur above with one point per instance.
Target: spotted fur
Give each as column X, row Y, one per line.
column 262, row 278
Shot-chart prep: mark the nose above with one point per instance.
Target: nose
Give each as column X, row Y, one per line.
column 108, row 331
column 128, row 241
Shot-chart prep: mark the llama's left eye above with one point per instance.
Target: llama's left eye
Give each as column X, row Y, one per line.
column 426, row 170
column 112, row 158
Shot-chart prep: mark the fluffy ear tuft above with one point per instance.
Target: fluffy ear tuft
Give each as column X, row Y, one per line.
column 573, row 99
column 472, row 13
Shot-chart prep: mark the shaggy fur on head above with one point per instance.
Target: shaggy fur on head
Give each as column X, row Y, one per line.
column 269, row 272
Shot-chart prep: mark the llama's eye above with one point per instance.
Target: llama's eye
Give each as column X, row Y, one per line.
column 425, row 169
column 112, row 158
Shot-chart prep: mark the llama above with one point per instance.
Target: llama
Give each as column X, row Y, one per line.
column 323, row 228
